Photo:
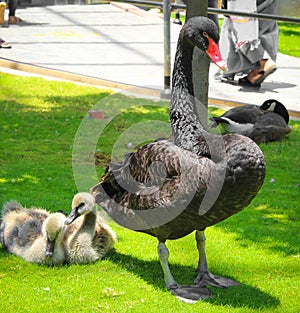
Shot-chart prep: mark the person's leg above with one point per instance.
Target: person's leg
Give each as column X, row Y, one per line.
column 268, row 29
column 12, row 7
column 252, row 58
column 236, row 60
column 268, row 36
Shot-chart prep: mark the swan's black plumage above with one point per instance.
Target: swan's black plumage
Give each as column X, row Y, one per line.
column 268, row 122
column 169, row 189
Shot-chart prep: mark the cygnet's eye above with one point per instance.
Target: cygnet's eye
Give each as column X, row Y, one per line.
column 80, row 207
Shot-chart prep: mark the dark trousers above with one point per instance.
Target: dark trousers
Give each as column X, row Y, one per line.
column 12, row 7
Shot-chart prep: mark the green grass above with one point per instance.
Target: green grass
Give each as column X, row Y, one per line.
column 259, row 247
column 289, row 39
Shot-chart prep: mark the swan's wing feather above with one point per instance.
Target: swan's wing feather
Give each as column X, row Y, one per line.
column 159, row 176
column 149, row 171
column 20, row 226
column 244, row 114
column 270, row 127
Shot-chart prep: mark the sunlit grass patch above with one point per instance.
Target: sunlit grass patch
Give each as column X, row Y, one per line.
column 259, row 247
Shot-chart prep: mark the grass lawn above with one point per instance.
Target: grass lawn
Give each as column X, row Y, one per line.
column 43, row 127
column 289, row 33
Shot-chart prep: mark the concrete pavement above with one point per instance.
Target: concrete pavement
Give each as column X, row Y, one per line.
column 121, row 47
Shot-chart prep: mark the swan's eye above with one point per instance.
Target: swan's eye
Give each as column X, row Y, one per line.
column 80, row 205
column 80, row 208
column 205, row 34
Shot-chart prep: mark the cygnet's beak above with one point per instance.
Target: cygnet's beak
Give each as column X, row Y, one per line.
column 49, row 248
column 72, row 216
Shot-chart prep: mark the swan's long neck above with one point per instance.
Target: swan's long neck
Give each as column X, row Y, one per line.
column 185, row 124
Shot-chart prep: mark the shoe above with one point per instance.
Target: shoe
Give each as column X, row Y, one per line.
column 14, row 20
column 4, row 44
column 245, row 82
column 256, row 77
column 2, row 9
column 267, row 67
column 227, row 79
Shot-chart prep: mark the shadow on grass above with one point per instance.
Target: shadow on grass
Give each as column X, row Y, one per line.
column 151, row 272
column 253, row 226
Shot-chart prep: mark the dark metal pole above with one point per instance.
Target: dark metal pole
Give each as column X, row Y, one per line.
column 200, row 64
column 165, row 94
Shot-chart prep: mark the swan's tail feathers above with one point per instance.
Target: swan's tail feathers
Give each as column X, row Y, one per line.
column 7, row 208
column 215, row 121
column 11, row 206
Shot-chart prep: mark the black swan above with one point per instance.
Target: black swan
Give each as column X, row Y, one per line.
column 88, row 236
column 33, row 234
column 169, row 190
column 268, row 122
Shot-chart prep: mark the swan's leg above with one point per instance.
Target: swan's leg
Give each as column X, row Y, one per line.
column 163, row 254
column 185, row 293
column 205, row 278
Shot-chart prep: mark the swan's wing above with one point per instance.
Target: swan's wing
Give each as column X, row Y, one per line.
column 152, row 172
column 29, row 232
column 21, row 227
column 12, row 215
column 244, row 115
column 159, row 177
column 37, row 213
column 22, row 237
column 270, row 127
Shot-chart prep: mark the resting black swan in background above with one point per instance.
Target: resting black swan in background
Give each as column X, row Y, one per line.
column 268, row 122
column 169, row 190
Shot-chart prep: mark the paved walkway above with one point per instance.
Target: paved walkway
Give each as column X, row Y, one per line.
column 119, row 46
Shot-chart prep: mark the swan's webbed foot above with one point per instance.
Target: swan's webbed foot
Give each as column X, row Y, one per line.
column 208, row 279
column 204, row 277
column 185, row 293
column 189, row 294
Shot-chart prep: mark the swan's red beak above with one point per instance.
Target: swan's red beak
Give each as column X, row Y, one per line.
column 214, row 53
